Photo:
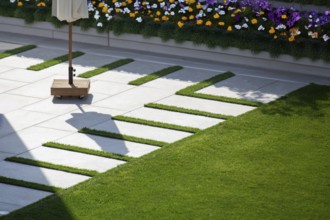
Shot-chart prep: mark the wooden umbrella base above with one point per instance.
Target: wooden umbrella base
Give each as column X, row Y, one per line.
column 61, row 87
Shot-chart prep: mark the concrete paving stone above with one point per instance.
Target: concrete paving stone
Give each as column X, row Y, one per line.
column 4, row 69
column 133, row 98
column 29, row 138
column 111, row 145
column 40, row 175
column 57, row 106
column 8, row 46
column 31, row 57
column 72, row 159
column 10, row 102
column 15, row 197
column 24, row 75
column 141, row 131
column 5, row 155
column 83, row 117
column 109, row 88
column 20, row 119
column 206, row 105
column 176, row 118
column 117, row 76
column 6, row 85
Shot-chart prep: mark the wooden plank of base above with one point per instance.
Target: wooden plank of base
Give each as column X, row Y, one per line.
column 61, row 87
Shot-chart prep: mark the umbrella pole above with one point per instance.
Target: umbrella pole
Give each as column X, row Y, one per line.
column 70, row 54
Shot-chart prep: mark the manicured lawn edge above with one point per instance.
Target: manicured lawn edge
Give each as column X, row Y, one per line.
column 52, row 166
column 155, row 124
column 8, row 53
column 187, row 111
column 87, row 151
column 191, row 91
column 54, row 61
column 105, row 68
column 155, row 75
column 30, row 185
column 122, row 137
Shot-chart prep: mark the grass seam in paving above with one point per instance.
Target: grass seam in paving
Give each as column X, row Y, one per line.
column 54, row 61
column 8, row 53
column 122, row 137
column 191, row 91
column 27, row 184
column 187, row 111
column 52, row 166
column 88, row 151
column 155, row 75
column 155, row 124
column 105, row 68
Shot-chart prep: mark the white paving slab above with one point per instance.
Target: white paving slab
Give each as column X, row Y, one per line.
column 29, row 138
column 109, row 88
column 142, row 131
column 15, row 197
column 12, row 102
column 4, row 69
column 82, row 117
column 5, row 155
column 24, row 75
column 176, row 118
column 117, row 146
column 72, row 159
column 117, row 76
column 133, row 98
column 206, row 105
column 40, row 175
column 8, row 46
column 20, row 119
column 6, row 85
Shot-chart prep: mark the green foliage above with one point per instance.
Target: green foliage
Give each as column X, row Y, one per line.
column 167, row 31
column 8, row 53
column 151, row 29
column 105, row 68
column 309, row 2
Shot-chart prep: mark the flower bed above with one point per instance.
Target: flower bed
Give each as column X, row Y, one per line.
column 246, row 24
column 314, row 2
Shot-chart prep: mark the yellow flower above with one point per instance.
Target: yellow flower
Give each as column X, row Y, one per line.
column 41, row 4
column 190, row 9
column 165, row 18
column 284, row 17
column 216, row 16
column 237, row 11
column 271, row 30
column 180, row 24
column 229, row 28
column 291, row 38
column 254, row 21
column 199, row 22
column 158, row 13
column 129, row 1
column 221, row 23
column 283, row 33
column 93, row 2
column 132, row 15
column 144, row 3
column 160, row 0
column 191, row 17
column 19, row 4
column 117, row 10
column 184, row 18
column 113, row 1
column 189, row 2
column 199, row 6
column 123, row 4
column 275, row 36
column 171, row 1
column 208, row 23
column 105, row 9
column 261, row 13
column 232, row 15
column 156, row 19
column 101, row 4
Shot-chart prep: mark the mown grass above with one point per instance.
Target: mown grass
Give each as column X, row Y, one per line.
column 155, row 75
column 22, row 49
column 191, row 91
column 55, row 61
column 105, row 68
column 270, row 163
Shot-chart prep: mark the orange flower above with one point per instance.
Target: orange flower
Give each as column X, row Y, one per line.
column 101, row 4
column 19, row 4
column 156, row 19
column 275, row 36
column 284, row 17
column 208, row 23
column 180, row 24
column 132, row 15
column 291, row 38
column 229, row 28
column 105, row 9
column 158, row 13
column 199, row 6
column 191, row 17
column 184, row 18
column 123, row 4
column 190, row 9
column 271, row 30
column 165, row 18
column 216, row 16
column 221, row 23
column 254, row 21
column 199, row 22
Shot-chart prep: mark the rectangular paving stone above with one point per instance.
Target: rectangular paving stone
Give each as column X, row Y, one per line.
column 24, row 75
column 29, row 138
column 4, row 69
column 206, row 105
column 20, row 119
column 8, row 46
column 176, row 118
column 5, row 155
column 109, row 88
column 10, row 102
column 142, row 131
column 40, row 175
column 15, row 197
column 116, row 146
column 133, row 98
column 6, row 85
column 83, row 117
column 117, row 76
column 72, row 159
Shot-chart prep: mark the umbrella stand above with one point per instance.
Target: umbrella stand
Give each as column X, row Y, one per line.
column 70, row 54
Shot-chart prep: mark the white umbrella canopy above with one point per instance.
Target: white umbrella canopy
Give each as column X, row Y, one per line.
column 69, row 10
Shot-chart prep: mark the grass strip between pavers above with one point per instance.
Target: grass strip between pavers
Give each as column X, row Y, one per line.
column 191, row 91
column 155, row 75
column 187, row 111
column 52, row 166
column 54, row 61
column 8, row 53
column 122, row 137
column 30, row 185
column 105, row 68
column 87, row 151
column 155, row 124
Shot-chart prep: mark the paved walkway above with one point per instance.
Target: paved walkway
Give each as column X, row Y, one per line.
column 29, row 116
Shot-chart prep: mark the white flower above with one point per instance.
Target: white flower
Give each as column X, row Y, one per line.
column 99, row 24
column 172, row 6
column 109, row 17
column 222, row 12
column 182, row 11
column 172, row 13
column 118, row 4
column 12, row 1
column 246, row 19
column 263, row 18
column 166, row 13
column 245, row 25
column 261, row 28
column 162, row 4
column 136, row 4
column 325, row 37
column 238, row 27
column 154, row 6
column 139, row 19
column 280, row 27
column 126, row 11
column 209, row 9
column 96, row 16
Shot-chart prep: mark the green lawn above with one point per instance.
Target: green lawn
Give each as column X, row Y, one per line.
column 271, row 163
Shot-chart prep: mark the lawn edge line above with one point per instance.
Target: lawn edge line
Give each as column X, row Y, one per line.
column 87, row 151
column 18, row 50
column 156, row 124
column 38, row 163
